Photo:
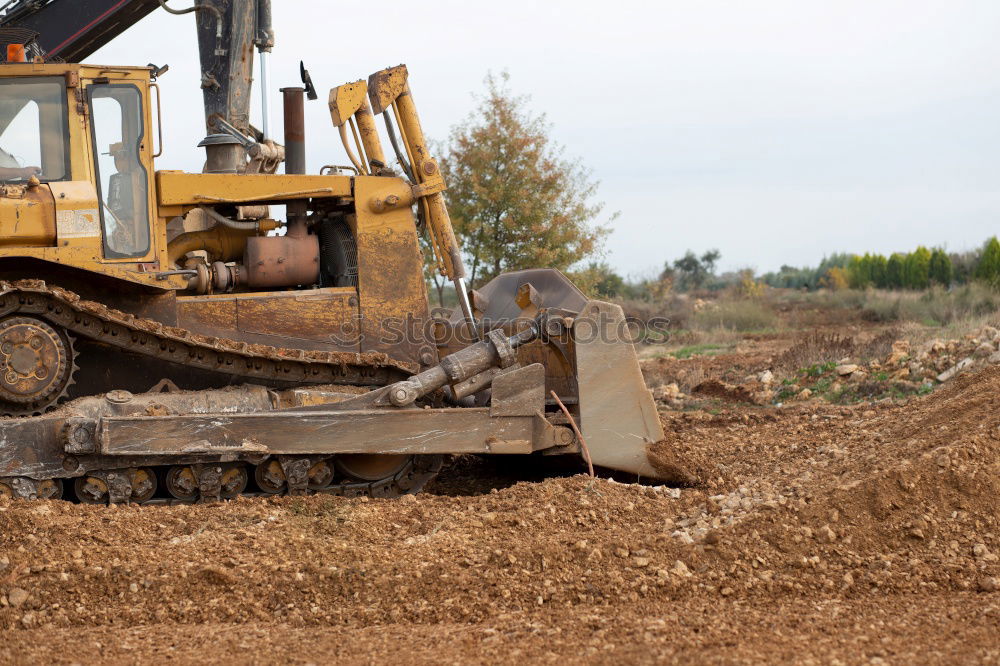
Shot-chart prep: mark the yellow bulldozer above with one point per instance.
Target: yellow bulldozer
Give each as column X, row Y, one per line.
column 163, row 338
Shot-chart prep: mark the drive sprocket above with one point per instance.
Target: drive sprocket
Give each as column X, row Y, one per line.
column 36, row 365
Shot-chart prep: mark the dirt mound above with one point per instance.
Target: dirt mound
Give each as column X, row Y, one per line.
column 859, row 499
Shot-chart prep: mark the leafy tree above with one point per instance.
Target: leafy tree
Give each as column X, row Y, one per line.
column 940, row 267
column 894, row 271
column 963, row 264
column 600, row 279
column 836, row 278
column 988, row 268
column 691, row 271
column 515, row 201
column 859, row 272
column 917, row 269
column 880, row 271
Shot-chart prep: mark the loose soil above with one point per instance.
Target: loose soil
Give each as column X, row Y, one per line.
column 813, row 533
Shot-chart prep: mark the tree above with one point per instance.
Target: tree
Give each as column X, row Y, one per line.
column 599, row 279
column 859, row 272
column 836, row 278
column 940, row 267
column 988, row 268
column 515, row 202
column 894, row 270
column 880, row 270
column 692, row 271
column 917, row 269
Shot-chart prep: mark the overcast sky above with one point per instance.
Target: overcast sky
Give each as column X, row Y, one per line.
column 777, row 131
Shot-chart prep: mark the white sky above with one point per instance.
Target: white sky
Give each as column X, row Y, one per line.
column 775, row 130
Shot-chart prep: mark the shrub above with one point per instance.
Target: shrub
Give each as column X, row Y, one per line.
column 736, row 315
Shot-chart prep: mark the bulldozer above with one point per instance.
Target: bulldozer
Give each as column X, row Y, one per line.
column 164, row 338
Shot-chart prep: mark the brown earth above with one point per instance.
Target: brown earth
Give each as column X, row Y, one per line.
column 815, row 533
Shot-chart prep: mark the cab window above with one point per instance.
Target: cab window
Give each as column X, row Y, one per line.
column 34, row 134
column 122, row 181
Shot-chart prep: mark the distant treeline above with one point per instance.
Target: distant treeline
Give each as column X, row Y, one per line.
column 918, row 269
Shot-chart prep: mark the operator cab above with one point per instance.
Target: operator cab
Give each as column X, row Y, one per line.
column 34, row 139
column 76, row 137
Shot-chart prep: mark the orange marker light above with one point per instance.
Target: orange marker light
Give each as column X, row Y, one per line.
column 15, row 53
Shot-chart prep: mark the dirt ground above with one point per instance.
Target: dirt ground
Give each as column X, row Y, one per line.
column 815, row 533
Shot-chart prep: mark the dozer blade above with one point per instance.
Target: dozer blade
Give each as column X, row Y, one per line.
column 617, row 412
column 614, row 409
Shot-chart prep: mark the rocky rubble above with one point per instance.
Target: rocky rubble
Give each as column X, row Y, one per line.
column 904, row 371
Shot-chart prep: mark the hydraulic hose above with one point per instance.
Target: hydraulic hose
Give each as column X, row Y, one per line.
column 197, row 8
column 403, row 162
column 241, row 225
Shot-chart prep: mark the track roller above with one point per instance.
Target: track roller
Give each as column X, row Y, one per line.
column 19, row 487
column 116, row 486
column 182, row 483
column 234, row 481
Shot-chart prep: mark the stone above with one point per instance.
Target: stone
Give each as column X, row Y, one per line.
column 900, row 351
column 667, row 392
column 684, row 536
column 847, row 369
column 989, row 584
column 17, row 596
column 935, row 346
column 956, row 369
column 826, row 534
column 765, row 377
column 804, row 394
column 984, row 350
column 680, row 569
column 726, row 591
column 994, row 358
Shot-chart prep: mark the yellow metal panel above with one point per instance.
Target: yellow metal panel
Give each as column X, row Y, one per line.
column 345, row 100
column 391, row 285
column 177, row 188
column 385, row 86
column 27, row 217
column 77, row 217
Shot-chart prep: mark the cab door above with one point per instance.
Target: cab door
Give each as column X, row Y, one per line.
column 121, row 152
